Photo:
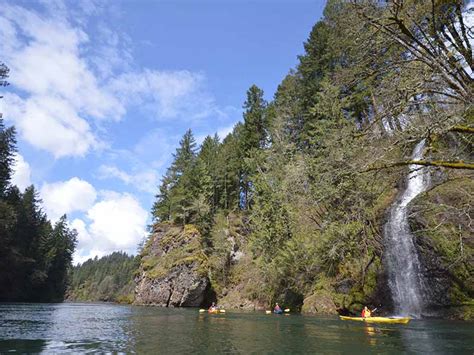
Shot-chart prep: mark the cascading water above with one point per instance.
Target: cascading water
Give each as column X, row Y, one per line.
column 401, row 257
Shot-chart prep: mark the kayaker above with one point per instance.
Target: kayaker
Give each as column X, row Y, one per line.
column 277, row 309
column 213, row 307
column 366, row 313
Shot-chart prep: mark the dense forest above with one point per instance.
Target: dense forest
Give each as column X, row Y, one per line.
column 35, row 254
column 291, row 204
column 108, row 279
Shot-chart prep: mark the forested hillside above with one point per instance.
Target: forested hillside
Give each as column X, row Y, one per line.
column 291, row 205
column 35, row 254
column 109, row 279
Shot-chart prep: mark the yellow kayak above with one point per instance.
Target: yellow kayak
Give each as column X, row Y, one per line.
column 404, row 320
column 212, row 311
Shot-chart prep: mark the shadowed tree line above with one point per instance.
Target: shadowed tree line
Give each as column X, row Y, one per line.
column 35, row 254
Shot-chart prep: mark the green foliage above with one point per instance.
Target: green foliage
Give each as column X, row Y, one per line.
column 108, row 279
column 7, row 149
column 293, row 189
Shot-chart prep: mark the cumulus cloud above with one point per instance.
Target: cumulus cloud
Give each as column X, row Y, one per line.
column 119, row 219
column 51, row 124
column 111, row 221
column 21, row 173
column 67, row 197
column 116, row 222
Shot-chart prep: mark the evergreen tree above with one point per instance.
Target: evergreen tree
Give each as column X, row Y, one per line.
column 7, row 150
column 254, row 136
column 177, row 188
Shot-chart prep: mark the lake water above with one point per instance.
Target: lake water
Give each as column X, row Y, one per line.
column 77, row 327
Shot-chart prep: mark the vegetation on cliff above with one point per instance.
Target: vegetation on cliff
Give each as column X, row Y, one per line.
column 291, row 204
column 173, row 270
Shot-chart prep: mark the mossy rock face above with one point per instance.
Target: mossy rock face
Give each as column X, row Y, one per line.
column 173, row 269
column 441, row 219
column 320, row 302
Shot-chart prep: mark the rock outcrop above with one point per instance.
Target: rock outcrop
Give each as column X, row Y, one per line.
column 319, row 303
column 173, row 269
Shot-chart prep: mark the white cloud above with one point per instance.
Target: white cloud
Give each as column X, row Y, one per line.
column 59, row 91
column 112, row 221
column 66, row 197
column 21, row 173
column 119, row 219
column 83, row 235
column 145, row 180
column 50, row 123
column 116, row 222
column 69, row 77
column 167, row 94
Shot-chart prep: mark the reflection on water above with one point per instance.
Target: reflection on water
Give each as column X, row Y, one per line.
column 71, row 328
column 371, row 334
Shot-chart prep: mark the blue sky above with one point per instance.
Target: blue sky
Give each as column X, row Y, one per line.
column 102, row 91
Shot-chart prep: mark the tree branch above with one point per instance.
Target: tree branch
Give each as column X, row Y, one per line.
column 445, row 164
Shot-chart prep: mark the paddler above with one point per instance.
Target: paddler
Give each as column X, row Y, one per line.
column 366, row 313
column 277, row 309
column 213, row 307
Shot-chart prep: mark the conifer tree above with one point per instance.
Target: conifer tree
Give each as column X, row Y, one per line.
column 7, row 150
column 176, row 190
column 254, row 136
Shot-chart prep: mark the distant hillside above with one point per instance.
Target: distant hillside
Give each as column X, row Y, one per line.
column 108, row 279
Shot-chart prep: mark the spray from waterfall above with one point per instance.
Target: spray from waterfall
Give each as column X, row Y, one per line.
column 401, row 257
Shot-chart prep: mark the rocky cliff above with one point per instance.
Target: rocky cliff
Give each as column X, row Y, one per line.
column 173, row 270
column 442, row 222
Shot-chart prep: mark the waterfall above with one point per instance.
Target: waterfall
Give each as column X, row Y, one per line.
column 401, row 259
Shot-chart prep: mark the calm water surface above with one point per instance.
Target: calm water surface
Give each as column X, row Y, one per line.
column 76, row 327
